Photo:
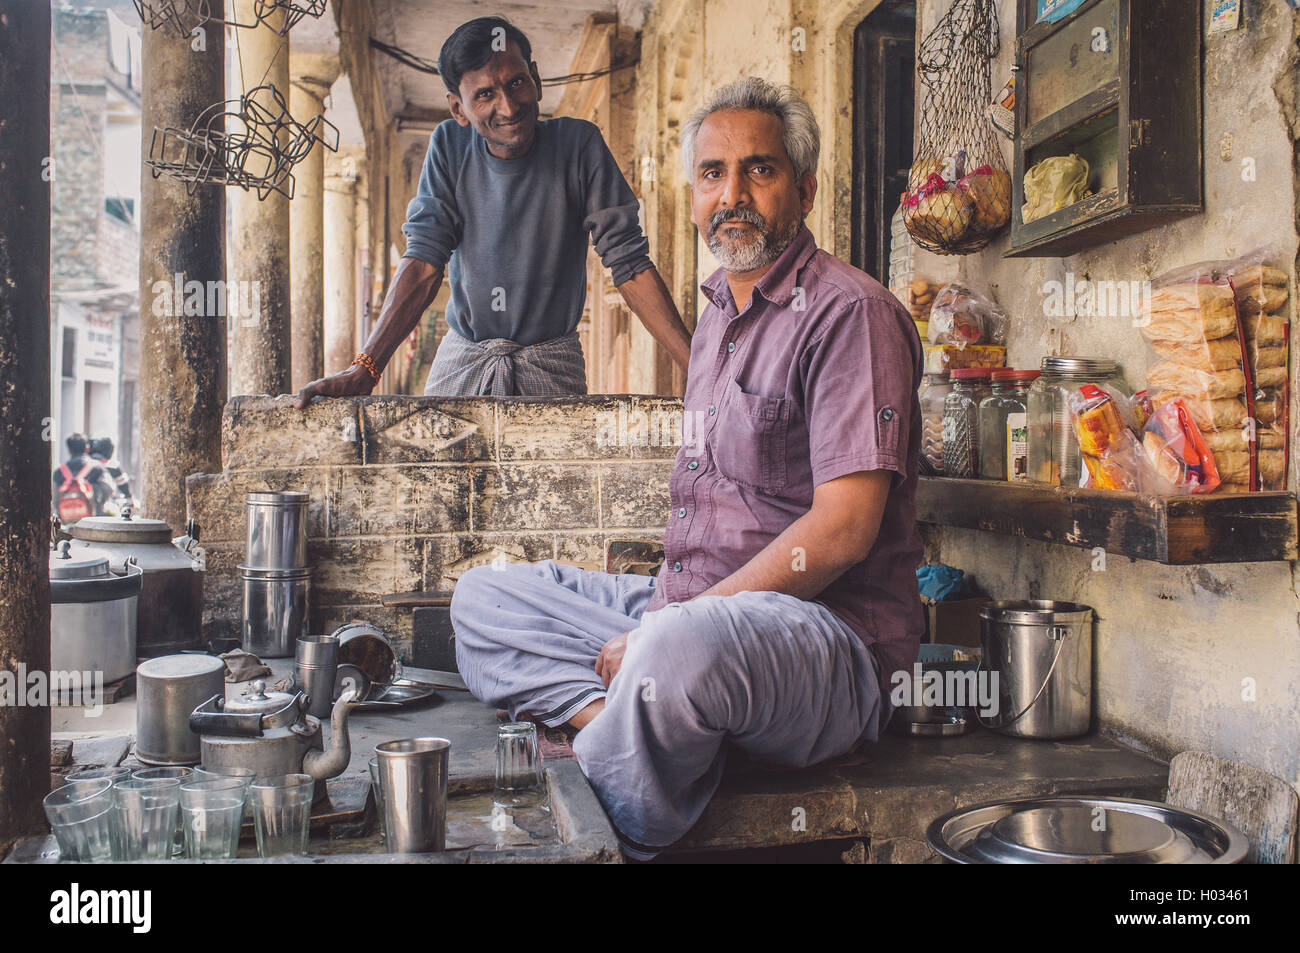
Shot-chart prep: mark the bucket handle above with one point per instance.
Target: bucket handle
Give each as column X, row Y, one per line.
column 1056, row 633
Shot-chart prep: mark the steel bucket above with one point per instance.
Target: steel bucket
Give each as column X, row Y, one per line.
column 1041, row 652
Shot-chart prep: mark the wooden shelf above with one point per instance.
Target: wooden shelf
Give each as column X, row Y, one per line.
column 1176, row 530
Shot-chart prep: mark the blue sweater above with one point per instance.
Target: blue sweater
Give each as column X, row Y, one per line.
column 515, row 230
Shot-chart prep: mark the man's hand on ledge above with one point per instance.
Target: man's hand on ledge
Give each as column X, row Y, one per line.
column 610, row 659
column 353, row 382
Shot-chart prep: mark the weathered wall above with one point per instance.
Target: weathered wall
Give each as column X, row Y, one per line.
column 1173, row 644
column 408, row 493
column 1179, row 649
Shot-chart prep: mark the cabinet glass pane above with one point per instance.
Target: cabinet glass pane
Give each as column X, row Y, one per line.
column 1074, row 61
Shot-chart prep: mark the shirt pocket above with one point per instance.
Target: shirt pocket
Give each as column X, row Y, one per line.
column 750, row 439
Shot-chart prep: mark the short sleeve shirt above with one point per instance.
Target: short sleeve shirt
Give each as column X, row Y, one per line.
column 816, row 379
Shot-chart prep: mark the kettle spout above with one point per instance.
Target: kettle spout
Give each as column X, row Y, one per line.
column 333, row 760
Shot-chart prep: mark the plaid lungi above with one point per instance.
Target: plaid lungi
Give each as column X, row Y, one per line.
column 501, row 368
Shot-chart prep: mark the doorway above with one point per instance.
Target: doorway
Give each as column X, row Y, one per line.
column 884, row 71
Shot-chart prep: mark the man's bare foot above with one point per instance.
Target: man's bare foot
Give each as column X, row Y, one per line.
column 583, row 718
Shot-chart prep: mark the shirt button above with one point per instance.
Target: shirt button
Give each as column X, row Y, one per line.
column 693, row 465
column 677, row 567
column 712, row 411
column 887, row 414
column 731, row 346
column 682, row 512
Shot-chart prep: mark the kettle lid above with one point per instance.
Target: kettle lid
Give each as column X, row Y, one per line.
column 257, row 700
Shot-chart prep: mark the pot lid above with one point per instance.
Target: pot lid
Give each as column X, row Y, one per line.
column 121, row 529
column 257, row 700
column 1084, row 830
column 285, row 498
column 1076, row 833
column 84, row 564
column 183, row 665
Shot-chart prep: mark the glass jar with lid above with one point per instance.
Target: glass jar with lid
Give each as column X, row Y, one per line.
column 1003, row 426
column 934, row 389
column 961, row 439
column 1053, row 447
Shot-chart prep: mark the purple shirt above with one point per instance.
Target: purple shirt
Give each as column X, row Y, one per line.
column 816, row 379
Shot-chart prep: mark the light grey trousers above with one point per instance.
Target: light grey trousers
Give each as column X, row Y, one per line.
column 783, row 679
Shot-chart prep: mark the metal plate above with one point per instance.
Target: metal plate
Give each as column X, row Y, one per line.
column 401, row 694
column 1084, row 830
column 943, row 729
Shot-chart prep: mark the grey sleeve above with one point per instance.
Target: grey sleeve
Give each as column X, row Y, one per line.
column 433, row 221
column 612, row 213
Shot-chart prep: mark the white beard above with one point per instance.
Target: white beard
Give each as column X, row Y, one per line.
column 759, row 251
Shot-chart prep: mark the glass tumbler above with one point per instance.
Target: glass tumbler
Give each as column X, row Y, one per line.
column 115, row 775
column 282, row 813
column 80, row 814
column 212, row 812
column 378, row 788
column 147, row 811
column 180, row 773
column 519, row 765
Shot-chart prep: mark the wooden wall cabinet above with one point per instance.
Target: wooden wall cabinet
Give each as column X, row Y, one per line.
column 1119, row 83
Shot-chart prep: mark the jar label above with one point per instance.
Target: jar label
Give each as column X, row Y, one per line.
column 1017, row 448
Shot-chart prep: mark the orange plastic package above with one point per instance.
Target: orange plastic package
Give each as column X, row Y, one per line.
column 1179, row 455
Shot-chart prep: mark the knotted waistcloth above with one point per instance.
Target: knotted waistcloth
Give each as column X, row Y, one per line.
column 501, row 368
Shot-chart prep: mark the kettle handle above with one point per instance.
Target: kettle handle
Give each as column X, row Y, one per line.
column 210, row 719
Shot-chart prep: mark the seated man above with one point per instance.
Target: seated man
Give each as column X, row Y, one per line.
column 788, row 593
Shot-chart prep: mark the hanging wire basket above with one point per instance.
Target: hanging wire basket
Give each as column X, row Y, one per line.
column 251, row 142
column 958, row 190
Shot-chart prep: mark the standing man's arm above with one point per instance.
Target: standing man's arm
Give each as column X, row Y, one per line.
column 415, row 284
column 432, row 231
column 647, row 296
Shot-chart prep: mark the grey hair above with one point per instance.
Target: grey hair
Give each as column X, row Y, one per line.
column 802, row 136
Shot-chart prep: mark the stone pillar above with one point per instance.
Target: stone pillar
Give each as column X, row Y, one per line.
column 259, row 252
column 182, row 240
column 24, row 409
column 340, row 273
column 307, row 93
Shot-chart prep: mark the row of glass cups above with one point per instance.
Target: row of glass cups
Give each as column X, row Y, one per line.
column 120, row 814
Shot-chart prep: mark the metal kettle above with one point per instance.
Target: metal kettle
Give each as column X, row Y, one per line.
column 271, row 733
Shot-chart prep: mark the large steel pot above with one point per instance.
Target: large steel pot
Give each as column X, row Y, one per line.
column 170, row 616
column 167, row 690
column 92, row 614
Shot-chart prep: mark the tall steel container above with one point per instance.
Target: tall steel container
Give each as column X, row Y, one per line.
column 275, row 574
column 167, row 690
column 1042, row 654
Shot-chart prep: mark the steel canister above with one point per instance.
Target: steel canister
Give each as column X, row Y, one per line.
column 277, row 530
column 167, row 689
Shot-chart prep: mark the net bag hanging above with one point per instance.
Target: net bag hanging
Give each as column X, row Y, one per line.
column 958, row 190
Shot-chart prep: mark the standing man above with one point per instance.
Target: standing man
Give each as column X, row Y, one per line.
column 787, row 600
column 505, row 203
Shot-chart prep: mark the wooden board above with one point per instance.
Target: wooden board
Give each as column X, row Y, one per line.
column 1264, row 807
column 1177, row 530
